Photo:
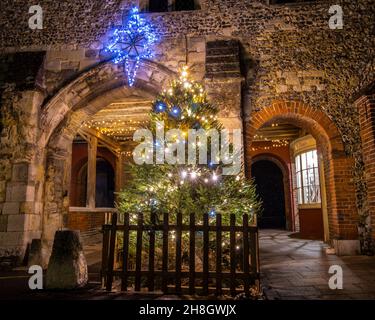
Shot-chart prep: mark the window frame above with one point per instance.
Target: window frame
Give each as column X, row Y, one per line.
column 301, row 170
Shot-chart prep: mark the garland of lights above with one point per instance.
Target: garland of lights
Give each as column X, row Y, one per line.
column 131, row 43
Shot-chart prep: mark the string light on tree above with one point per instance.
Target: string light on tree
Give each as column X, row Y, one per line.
column 190, row 187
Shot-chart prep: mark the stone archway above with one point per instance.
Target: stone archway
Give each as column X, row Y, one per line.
column 338, row 166
column 61, row 118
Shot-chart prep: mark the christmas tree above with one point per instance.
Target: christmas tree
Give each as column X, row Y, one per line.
column 186, row 185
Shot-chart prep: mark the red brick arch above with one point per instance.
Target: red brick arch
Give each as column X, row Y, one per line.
column 338, row 166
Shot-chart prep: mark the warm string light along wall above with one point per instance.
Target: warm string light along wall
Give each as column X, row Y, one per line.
column 273, row 143
column 117, row 129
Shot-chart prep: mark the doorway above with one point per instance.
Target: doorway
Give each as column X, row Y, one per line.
column 270, row 187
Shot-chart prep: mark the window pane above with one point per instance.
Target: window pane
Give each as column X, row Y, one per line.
column 306, row 195
column 310, row 177
column 305, row 178
column 310, row 159
column 315, row 158
column 298, row 162
column 303, row 160
column 299, row 196
column 299, row 185
column 317, row 182
column 315, row 194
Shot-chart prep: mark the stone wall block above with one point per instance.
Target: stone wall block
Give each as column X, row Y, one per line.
column 11, row 208
column 2, row 190
column 20, row 172
column 3, row 223
column 16, row 222
column 196, row 57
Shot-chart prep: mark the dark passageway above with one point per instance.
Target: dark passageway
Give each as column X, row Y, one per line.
column 270, row 187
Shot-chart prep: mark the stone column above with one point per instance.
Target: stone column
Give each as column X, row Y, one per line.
column 91, row 171
column 20, row 215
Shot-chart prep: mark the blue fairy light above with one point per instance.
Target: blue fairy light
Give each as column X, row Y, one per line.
column 131, row 43
column 175, row 111
column 160, row 107
column 212, row 213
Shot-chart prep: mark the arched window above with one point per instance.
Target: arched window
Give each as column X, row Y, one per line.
column 307, row 171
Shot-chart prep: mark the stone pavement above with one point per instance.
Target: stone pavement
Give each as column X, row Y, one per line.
column 291, row 268
column 294, row 268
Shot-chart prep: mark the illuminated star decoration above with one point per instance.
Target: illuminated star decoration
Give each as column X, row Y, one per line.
column 131, row 43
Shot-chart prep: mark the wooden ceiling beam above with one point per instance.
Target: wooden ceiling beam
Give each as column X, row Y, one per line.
column 102, row 139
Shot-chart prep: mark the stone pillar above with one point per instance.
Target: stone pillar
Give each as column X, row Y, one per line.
column 366, row 110
column 91, row 171
column 20, row 216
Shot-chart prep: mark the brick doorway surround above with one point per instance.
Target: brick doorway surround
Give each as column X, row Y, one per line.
column 338, row 166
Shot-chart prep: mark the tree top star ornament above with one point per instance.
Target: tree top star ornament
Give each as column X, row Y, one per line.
column 131, row 43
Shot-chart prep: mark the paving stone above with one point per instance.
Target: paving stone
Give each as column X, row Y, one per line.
column 303, row 273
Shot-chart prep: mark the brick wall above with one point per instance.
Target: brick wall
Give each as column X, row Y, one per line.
column 85, row 221
column 366, row 109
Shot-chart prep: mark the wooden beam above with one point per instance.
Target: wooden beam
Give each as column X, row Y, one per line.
column 91, row 171
column 109, row 143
